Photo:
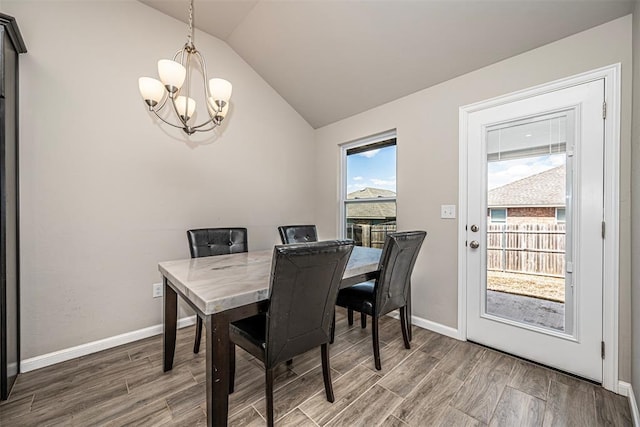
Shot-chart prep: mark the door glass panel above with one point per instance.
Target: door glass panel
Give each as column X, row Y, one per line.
column 528, row 219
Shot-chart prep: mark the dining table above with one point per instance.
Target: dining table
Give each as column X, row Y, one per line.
column 223, row 289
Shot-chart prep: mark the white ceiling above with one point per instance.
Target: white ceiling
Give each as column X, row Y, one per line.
column 333, row 59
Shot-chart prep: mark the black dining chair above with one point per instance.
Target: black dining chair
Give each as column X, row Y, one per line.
column 308, row 233
column 305, row 279
column 391, row 290
column 214, row 241
column 297, row 234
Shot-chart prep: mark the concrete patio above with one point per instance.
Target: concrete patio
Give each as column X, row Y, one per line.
column 529, row 310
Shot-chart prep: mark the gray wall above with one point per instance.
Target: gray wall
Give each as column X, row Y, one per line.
column 427, row 159
column 106, row 193
column 635, row 213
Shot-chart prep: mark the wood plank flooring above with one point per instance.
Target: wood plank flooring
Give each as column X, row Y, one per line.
column 438, row 382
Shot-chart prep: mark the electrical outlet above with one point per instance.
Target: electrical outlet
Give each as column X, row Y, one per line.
column 448, row 211
column 157, row 290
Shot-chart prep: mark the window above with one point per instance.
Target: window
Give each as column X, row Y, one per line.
column 369, row 190
column 560, row 215
column 498, row 216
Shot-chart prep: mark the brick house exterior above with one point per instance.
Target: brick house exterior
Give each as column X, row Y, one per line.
column 537, row 199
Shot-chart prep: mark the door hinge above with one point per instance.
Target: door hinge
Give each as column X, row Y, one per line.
column 603, row 229
column 602, row 349
column 604, row 109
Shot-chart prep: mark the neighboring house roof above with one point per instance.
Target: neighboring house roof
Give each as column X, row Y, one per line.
column 374, row 210
column 370, row 193
column 543, row 189
column 380, row 210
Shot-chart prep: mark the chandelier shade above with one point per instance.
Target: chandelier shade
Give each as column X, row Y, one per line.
column 172, row 74
column 174, row 88
column 152, row 90
column 220, row 90
column 186, row 107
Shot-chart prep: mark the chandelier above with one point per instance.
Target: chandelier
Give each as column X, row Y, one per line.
column 174, row 87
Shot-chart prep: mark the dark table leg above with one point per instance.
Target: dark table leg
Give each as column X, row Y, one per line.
column 217, row 329
column 170, row 320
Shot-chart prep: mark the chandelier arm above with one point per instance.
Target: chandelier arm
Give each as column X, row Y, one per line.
column 203, row 65
column 164, row 102
column 167, row 122
column 188, row 68
column 212, row 120
column 207, row 93
column 179, row 53
column 208, row 129
column 205, row 75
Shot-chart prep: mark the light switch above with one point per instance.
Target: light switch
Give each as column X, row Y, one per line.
column 448, row 211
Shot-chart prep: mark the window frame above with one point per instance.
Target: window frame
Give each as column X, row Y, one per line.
column 491, row 210
column 380, row 138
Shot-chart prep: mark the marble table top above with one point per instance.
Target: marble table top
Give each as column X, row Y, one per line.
column 222, row 282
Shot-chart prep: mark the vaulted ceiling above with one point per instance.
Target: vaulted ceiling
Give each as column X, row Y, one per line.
column 333, row 59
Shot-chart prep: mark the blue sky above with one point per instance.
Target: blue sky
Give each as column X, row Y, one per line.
column 503, row 172
column 374, row 168
column 377, row 169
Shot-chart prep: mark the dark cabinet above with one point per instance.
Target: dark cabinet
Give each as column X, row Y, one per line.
column 12, row 45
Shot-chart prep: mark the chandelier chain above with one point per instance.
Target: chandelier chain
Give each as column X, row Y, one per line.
column 190, row 35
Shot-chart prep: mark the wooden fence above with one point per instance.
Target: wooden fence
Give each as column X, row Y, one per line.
column 526, row 248
column 372, row 236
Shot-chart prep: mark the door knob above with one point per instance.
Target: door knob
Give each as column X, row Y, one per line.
column 474, row 228
column 474, row 244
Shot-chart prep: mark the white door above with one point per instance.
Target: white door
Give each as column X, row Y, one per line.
column 534, row 261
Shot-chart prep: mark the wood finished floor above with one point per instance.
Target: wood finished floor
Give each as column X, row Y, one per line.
column 438, row 382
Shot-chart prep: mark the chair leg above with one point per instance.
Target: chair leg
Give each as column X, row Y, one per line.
column 404, row 321
column 196, row 344
column 363, row 320
column 326, row 372
column 333, row 328
column 376, row 342
column 409, row 314
column 350, row 316
column 269, row 395
column 232, row 367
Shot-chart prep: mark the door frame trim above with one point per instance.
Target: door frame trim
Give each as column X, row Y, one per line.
column 610, row 303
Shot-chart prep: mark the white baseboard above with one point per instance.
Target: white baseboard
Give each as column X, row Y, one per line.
column 625, row 389
column 38, row 362
column 432, row 326
column 49, row 359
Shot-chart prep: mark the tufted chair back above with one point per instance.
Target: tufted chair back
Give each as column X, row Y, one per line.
column 298, row 234
column 217, row 241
